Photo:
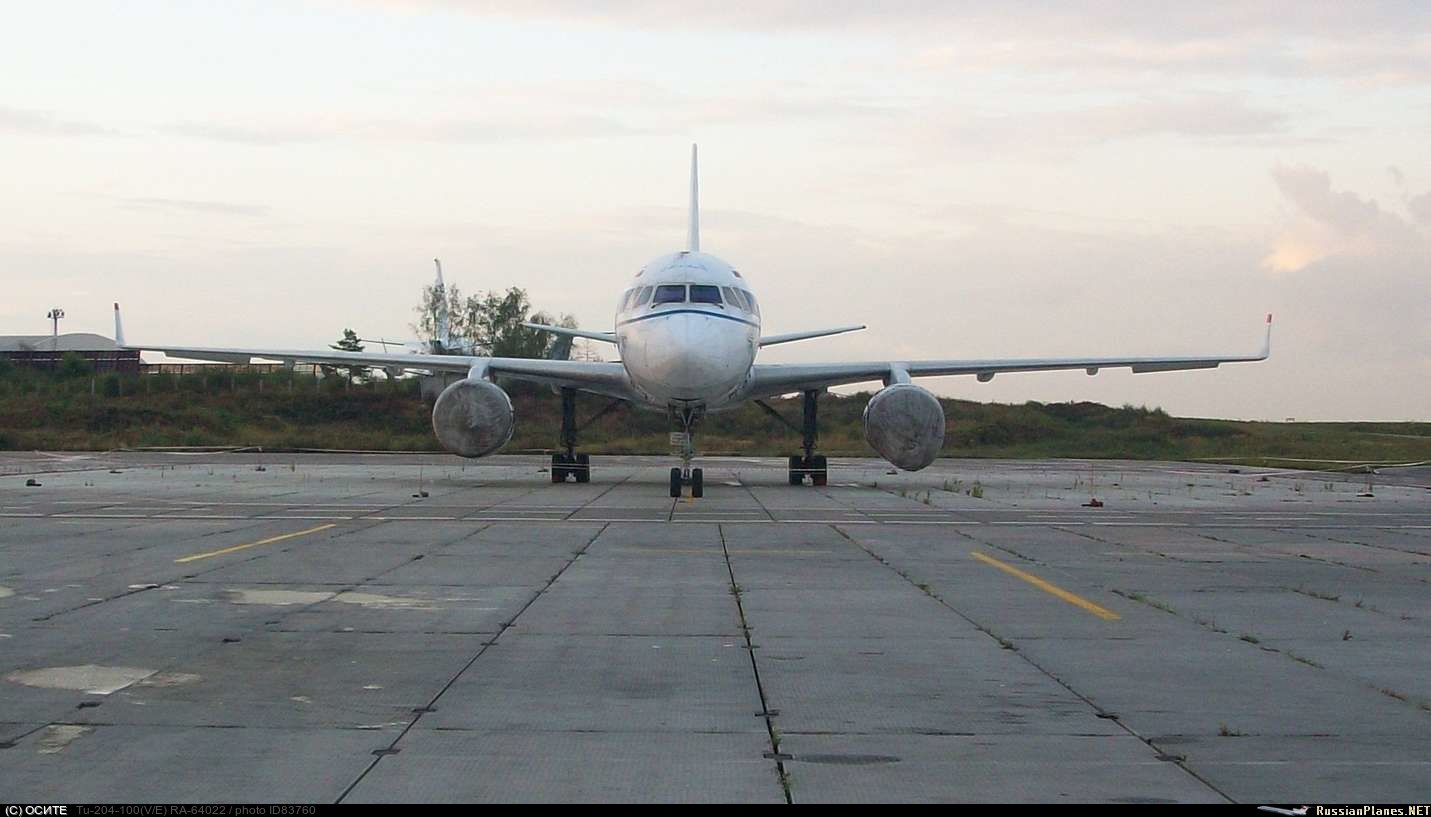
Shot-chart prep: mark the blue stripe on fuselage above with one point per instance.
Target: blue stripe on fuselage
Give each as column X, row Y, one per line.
column 666, row 312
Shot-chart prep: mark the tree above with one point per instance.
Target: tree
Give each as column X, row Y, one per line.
column 73, row 364
column 430, row 317
column 492, row 324
column 583, row 350
column 348, row 343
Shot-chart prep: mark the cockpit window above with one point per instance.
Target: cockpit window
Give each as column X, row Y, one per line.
column 670, row 294
column 705, row 294
column 644, row 297
column 625, row 303
column 750, row 298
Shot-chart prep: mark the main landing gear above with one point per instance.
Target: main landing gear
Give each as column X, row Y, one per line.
column 570, row 463
column 685, row 474
column 811, row 465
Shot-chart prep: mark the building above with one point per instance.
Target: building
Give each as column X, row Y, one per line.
column 46, row 351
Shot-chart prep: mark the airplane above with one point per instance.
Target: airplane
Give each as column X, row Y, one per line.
column 442, row 342
column 688, row 329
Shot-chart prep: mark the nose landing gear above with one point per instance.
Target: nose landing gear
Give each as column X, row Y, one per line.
column 693, row 477
column 683, row 441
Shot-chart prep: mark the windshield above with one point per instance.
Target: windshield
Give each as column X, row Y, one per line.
column 704, row 294
column 670, row 294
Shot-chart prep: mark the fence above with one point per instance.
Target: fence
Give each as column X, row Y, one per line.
column 117, row 360
column 192, row 379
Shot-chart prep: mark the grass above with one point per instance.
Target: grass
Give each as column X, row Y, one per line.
column 46, row 411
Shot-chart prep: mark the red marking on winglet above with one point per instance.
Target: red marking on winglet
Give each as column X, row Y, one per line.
column 1269, row 316
column 116, row 307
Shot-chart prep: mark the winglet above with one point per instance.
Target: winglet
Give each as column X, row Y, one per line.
column 1267, row 341
column 693, row 236
column 118, row 328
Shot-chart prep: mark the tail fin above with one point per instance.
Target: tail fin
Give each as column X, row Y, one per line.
column 118, row 328
column 693, row 237
column 443, row 318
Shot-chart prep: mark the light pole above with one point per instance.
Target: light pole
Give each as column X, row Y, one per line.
column 54, row 316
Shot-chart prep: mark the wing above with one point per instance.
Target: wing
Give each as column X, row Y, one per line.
column 771, row 340
column 772, row 379
column 602, row 378
column 605, row 337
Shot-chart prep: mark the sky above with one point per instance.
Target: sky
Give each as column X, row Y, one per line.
column 969, row 179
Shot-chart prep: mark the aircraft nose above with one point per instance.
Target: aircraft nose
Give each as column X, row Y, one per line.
column 700, row 356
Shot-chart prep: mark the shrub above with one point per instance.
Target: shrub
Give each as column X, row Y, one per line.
column 73, row 364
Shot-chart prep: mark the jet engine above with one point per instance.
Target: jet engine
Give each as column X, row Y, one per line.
column 473, row 418
column 905, row 424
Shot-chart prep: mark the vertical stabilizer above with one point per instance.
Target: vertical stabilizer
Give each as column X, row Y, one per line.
column 118, row 328
column 443, row 319
column 693, row 238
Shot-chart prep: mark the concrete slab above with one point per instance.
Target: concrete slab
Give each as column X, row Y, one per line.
column 566, row 767
column 184, row 764
column 1115, row 768
column 534, row 682
column 195, row 628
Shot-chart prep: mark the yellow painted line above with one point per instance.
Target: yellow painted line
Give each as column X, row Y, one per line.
column 1051, row 589
column 270, row 540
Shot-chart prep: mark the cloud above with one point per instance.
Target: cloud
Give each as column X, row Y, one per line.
column 222, row 208
column 502, row 126
column 45, row 123
column 1420, row 207
column 1311, row 191
column 254, row 133
column 1331, row 222
column 1383, row 41
column 1200, row 116
column 1162, row 21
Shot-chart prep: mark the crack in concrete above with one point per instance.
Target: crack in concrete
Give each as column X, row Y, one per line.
column 1006, row 644
column 392, row 748
column 765, row 712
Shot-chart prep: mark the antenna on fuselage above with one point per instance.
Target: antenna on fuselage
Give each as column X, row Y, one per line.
column 693, row 238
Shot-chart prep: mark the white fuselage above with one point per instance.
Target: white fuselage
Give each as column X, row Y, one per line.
column 688, row 328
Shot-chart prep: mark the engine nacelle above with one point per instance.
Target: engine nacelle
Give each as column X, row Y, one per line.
column 905, row 424
column 473, row 418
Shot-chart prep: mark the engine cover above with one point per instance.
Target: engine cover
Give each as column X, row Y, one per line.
column 473, row 418
column 905, row 424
